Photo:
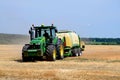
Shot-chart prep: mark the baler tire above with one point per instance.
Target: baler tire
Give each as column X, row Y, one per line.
column 51, row 53
column 79, row 52
column 75, row 52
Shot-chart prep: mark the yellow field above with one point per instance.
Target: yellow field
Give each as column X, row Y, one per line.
column 96, row 63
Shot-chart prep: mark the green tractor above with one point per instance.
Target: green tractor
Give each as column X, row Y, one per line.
column 44, row 44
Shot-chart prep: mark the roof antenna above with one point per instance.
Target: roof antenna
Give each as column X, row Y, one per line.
column 32, row 25
column 52, row 25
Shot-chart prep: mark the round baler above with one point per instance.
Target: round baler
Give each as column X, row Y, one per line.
column 73, row 46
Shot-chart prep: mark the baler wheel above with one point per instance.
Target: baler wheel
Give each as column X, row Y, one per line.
column 79, row 52
column 74, row 52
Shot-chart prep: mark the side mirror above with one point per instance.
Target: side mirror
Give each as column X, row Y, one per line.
column 56, row 30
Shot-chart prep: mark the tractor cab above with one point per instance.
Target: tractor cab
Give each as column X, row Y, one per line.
column 49, row 32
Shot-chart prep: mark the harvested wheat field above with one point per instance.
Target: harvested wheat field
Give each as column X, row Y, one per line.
column 97, row 63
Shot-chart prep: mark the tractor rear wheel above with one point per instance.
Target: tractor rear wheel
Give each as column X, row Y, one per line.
column 60, row 50
column 51, row 53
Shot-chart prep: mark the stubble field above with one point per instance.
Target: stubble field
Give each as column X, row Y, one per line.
column 97, row 63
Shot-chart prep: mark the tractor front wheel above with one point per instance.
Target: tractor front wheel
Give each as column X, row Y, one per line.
column 25, row 48
column 24, row 59
column 51, row 53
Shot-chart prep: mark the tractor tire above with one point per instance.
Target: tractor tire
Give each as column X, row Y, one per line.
column 60, row 49
column 25, row 59
column 25, row 47
column 74, row 52
column 51, row 53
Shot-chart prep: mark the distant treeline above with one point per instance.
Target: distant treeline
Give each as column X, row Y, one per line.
column 13, row 39
column 102, row 41
column 23, row 39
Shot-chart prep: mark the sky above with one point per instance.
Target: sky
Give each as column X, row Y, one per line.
column 88, row 18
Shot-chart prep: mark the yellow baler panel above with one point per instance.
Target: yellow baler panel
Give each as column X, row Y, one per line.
column 71, row 38
column 68, row 40
column 75, row 38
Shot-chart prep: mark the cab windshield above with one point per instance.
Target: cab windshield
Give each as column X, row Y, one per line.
column 41, row 32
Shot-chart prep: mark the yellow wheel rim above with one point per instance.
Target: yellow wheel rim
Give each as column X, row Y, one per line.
column 54, row 54
column 61, row 50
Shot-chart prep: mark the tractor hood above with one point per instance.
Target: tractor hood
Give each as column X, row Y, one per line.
column 37, row 41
